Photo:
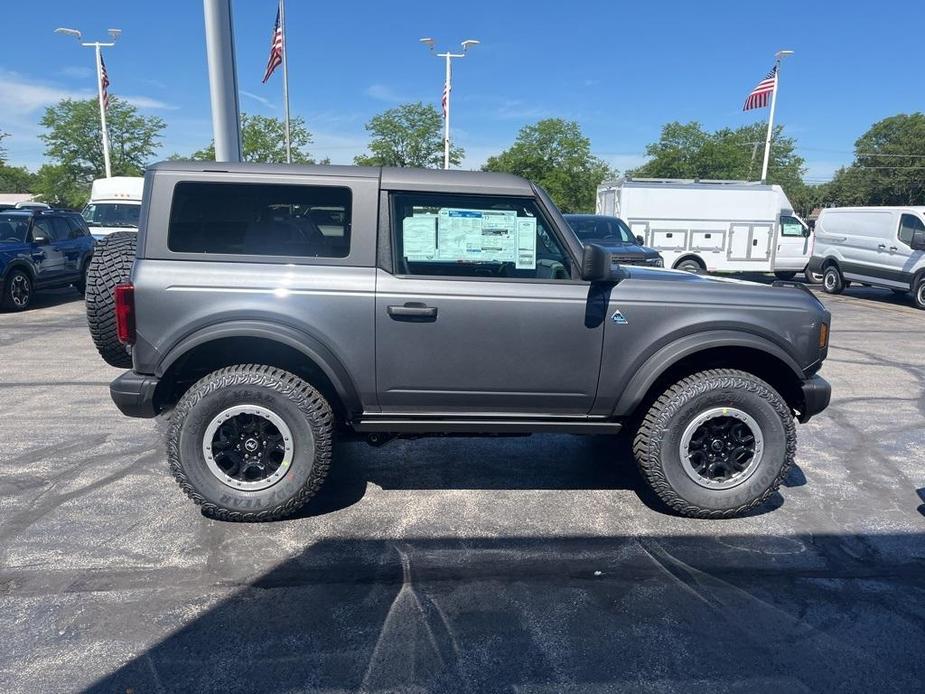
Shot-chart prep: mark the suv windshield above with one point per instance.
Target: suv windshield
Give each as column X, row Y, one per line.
column 600, row 228
column 13, row 228
column 111, row 214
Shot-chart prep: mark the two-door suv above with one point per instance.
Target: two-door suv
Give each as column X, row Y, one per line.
column 273, row 308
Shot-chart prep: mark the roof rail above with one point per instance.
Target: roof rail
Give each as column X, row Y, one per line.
column 724, row 181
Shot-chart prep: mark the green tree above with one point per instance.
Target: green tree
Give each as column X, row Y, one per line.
column 56, row 185
column 408, row 135
column 888, row 167
column 16, row 179
column 263, row 139
column 73, row 138
column 686, row 150
column 555, row 154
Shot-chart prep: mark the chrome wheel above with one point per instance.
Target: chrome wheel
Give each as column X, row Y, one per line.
column 20, row 290
column 920, row 294
column 721, row 448
column 830, row 280
column 248, row 447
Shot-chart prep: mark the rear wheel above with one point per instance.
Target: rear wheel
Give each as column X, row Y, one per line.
column 786, row 276
column 250, row 443
column 110, row 265
column 17, row 291
column 691, row 265
column 716, row 444
column 832, row 280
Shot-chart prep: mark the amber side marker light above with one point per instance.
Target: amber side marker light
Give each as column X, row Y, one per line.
column 823, row 335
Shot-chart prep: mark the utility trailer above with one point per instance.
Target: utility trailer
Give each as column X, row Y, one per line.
column 712, row 226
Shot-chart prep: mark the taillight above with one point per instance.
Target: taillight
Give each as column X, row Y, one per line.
column 125, row 313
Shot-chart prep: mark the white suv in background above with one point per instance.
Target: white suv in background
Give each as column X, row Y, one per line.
column 878, row 246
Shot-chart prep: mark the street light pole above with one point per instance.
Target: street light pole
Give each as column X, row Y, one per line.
column 97, row 46
column 447, row 88
column 780, row 55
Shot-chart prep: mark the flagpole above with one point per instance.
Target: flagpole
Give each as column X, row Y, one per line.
column 282, row 27
column 446, row 113
column 99, row 88
column 767, row 139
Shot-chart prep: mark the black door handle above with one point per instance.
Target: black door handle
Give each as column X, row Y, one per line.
column 413, row 311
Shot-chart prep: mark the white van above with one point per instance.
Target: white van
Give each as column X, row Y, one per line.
column 879, row 246
column 114, row 205
column 712, row 226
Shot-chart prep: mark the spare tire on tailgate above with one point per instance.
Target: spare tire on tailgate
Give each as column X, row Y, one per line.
column 111, row 265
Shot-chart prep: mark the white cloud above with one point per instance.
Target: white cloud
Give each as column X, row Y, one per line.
column 80, row 72
column 383, row 92
column 256, row 97
column 147, row 102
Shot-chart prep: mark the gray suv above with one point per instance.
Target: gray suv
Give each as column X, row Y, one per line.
column 271, row 309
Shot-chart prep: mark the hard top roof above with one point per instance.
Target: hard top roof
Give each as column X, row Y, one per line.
column 391, row 178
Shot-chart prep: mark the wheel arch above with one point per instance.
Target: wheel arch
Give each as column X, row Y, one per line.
column 18, row 264
column 689, row 256
column 721, row 349
column 270, row 344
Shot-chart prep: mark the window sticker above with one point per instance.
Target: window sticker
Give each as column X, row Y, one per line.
column 526, row 243
column 419, row 237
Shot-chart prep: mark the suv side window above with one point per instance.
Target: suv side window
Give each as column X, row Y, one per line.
column 61, row 228
column 790, row 226
column 78, row 227
column 42, row 227
column 909, row 224
column 437, row 234
column 260, row 219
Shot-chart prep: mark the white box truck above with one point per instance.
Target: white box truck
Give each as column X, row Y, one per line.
column 114, row 205
column 712, row 226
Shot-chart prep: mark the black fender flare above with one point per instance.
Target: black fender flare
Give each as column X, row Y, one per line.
column 309, row 345
column 669, row 355
column 17, row 263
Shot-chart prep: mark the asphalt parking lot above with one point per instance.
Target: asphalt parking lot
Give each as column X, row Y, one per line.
column 534, row 564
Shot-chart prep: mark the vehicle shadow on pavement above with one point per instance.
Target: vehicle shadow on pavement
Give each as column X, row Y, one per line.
column 54, row 297
column 546, row 614
column 540, row 462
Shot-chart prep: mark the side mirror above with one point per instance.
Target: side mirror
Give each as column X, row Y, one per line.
column 641, row 241
column 918, row 240
column 597, row 265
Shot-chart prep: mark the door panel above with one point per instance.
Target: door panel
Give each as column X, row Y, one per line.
column 738, row 242
column 48, row 259
column 761, row 242
column 492, row 346
column 792, row 251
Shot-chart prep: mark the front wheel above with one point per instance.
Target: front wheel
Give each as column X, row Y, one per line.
column 918, row 296
column 17, row 291
column 250, row 443
column 716, row 444
column 832, row 280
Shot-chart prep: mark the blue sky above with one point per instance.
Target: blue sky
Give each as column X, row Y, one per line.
column 620, row 69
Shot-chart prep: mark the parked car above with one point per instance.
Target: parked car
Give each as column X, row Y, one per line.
column 878, row 246
column 114, row 205
column 712, row 226
column 41, row 249
column 613, row 233
column 453, row 302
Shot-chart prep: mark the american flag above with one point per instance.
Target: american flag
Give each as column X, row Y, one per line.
column 762, row 91
column 276, row 49
column 104, row 78
column 445, row 97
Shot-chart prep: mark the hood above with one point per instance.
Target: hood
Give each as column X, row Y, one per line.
column 667, row 275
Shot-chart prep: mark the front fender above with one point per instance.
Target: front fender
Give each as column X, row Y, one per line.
column 653, row 366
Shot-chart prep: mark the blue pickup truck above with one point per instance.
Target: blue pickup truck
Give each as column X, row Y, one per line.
column 41, row 249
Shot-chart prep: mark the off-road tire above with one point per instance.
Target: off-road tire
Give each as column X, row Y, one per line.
column 17, row 275
column 785, row 275
column 110, row 265
column 691, row 265
column 832, row 280
column 656, row 446
column 298, row 404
